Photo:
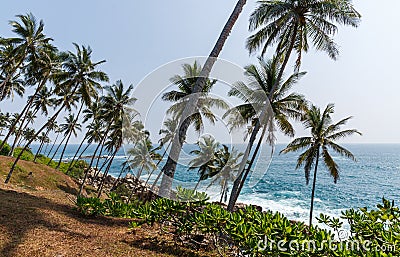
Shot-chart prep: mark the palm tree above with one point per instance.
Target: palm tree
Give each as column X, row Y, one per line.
column 115, row 111
column 170, row 166
column 114, row 104
column 168, row 134
column 79, row 70
column 186, row 85
column 324, row 133
column 69, row 127
column 30, row 119
column 53, row 126
column 205, row 157
column 260, row 80
column 290, row 24
column 43, row 139
column 32, row 46
column 4, row 118
column 141, row 158
column 225, row 167
column 93, row 113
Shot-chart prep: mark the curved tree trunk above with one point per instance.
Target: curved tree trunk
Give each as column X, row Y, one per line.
column 313, row 188
column 235, row 191
column 169, row 168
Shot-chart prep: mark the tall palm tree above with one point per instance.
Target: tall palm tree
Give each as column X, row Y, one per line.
column 170, row 166
column 290, row 24
column 115, row 111
column 4, row 119
column 30, row 119
column 181, row 97
column 116, row 108
column 79, row 70
column 69, row 127
column 254, row 93
column 324, row 133
column 53, row 126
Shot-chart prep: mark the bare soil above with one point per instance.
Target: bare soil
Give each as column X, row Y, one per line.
column 38, row 218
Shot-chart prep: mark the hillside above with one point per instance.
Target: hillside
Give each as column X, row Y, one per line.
column 37, row 218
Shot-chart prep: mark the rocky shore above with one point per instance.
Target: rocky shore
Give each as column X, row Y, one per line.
column 135, row 186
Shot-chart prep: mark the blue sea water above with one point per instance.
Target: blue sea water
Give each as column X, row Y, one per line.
column 278, row 186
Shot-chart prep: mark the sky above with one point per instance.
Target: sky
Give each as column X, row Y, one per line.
column 137, row 37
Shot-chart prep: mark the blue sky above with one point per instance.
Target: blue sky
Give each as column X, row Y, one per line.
column 136, row 37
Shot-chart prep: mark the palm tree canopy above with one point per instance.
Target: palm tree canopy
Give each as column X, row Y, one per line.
column 180, row 97
column 80, row 72
column 324, row 133
column 70, row 125
column 254, row 94
column 205, row 156
column 280, row 21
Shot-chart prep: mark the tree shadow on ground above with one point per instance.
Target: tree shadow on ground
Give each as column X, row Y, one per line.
column 163, row 247
column 22, row 212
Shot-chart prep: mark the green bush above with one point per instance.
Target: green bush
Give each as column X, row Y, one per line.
column 27, row 155
column 6, row 149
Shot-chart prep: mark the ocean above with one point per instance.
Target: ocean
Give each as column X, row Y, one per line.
column 276, row 184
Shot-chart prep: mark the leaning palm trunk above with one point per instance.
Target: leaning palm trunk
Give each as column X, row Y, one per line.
column 169, row 168
column 69, row 137
column 245, row 175
column 106, row 173
column 56, row 151
column 63, row 151
column 39, row 150
column 71, row 165
column 152, row 171
column 235, row 189
column 87, row 171
column 23, row 127
column 313, row 188
column 22, row 113
column 54, row 143
column 51, row 120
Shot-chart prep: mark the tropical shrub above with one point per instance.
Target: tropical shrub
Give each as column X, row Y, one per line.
column 27, row 155
column 6, row 149
column 376, row 231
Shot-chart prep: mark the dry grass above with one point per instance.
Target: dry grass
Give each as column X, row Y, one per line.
column 37, row 218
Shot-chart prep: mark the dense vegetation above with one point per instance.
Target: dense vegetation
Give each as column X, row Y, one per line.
column 248, row 232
